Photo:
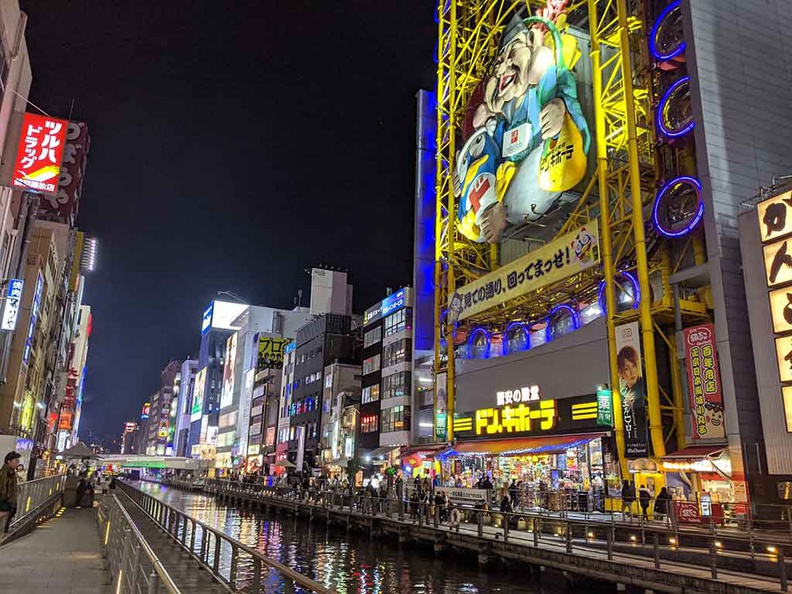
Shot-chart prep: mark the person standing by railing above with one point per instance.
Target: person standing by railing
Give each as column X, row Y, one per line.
column 8, row 487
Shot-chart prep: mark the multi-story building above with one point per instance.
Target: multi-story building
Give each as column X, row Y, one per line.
column 387, row 388
column 259, row 340
column 340, row 399
column 181, row 428
column 141, row 435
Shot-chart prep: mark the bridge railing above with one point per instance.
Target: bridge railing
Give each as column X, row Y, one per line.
column 660, row 540
column 36, row 499
column 134, row 566
column 240, row 567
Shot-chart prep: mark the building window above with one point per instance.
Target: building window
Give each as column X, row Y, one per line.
column 395, row 353
column 398, row 384
column 368, row 423
column 395, row 419
column 372, row 336
column 370, row 394
column 371, row 364
column 398, row 322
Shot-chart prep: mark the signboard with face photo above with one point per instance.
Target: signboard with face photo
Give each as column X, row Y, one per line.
column 525, row 139
column 632, row 390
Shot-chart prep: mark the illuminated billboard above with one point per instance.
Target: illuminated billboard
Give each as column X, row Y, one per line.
column 391, row 304
column 270, row 351
column 198, row 395
column 40, row 153
column 525, row 140
column 220, row 315
column 10, row 312
column 229, row 370
column 63, row 207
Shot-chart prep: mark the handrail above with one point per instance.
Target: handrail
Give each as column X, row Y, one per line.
column 176, row 523
column 31, row 495
column 583, row 534
column 120, row 559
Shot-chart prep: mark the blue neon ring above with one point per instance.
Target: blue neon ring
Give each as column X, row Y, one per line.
column 653, row 35
column 636, row 291
column 663, row 101
column 471, row 339
column 554, row 311
column 509, row 328
column 699, row 213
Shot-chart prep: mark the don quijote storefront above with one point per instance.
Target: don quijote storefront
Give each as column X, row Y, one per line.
column 538, row 418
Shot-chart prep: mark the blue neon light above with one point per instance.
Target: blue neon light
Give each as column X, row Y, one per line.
column 693, row 222
column 636, row 291
column 553, row 312
column 509, row 328
column 472, row 340
column 656, row 29
column 660, row 124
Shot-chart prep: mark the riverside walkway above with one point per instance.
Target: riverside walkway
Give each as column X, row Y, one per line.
column 646, row 556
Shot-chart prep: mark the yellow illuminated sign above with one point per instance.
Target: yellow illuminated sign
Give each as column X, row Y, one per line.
column 786, row 394
column 778, row 262
column 781, row 310
column 555, row 261
column 784, row 358
column 775, row 217
column 518, row 419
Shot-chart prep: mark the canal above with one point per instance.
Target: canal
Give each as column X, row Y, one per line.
column 352, row 562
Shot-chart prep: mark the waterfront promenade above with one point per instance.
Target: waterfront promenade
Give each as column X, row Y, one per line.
column 61, row 555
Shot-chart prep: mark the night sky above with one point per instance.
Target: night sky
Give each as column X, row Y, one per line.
column 234, row 145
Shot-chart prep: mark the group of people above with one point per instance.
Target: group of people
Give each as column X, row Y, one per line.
column 662, row 502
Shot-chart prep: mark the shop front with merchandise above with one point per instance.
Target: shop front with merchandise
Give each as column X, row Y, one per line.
column 537, row 425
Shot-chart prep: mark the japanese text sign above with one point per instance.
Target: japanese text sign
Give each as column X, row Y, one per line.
column 34, row 308
column 632, row 390
column 704, row 384
column 555, row 261
column 63, row 206
column 778, row 262
column 40, row 152
column 775, row 217
column 270, row 351
column 535, row 417
column 784, row 358
column 605, row 408
column 781, row 310
column 11, row 305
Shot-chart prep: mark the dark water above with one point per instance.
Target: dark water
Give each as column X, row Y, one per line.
column 353, row 562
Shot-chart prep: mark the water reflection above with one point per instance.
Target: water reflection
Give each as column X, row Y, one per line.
column 349, row 562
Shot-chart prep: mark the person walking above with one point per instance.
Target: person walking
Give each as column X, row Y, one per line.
column 8, row 487
column 628, row 497
column 662, row 504
column 644, row 498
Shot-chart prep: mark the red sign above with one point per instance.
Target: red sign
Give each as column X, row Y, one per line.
column 704, row 383
column 40, row 152
column 687, row 512
column 62, row 207
column 66, row 420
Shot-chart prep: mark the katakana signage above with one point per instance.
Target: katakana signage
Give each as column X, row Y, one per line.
column 535, row 417
column 10, row 313
column 555, row 261
column 704, row 383
column 270, row 351
column 40, row 152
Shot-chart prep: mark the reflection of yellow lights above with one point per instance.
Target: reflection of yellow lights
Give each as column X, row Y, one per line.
column 107, row 533
column 718, row 544
column 772, row 550
column 27, row 505
column 591, row 535
column 633, row 538
column 120, row 581
column 672, row 541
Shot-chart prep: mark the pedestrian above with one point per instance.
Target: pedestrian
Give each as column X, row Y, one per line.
column 8, row 486
column 644, row 497
column 513, row 491
column 662, row 503
column 628, row 497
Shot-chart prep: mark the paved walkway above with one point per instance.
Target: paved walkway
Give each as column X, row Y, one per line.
column 61, row 555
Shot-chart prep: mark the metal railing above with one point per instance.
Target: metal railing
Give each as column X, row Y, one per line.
column 134, row 566
column 240, row 567
column 34, row 495
column 667, row 543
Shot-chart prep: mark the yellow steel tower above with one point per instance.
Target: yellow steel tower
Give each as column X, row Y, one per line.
column 619, row 195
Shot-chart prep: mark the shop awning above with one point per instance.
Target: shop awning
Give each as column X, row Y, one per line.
column 694, row 453
column 428, row 450
column 522, row 445
column 376, row 453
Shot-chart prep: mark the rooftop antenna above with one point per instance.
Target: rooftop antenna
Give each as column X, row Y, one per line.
column 233, row 296
column 299, row 297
